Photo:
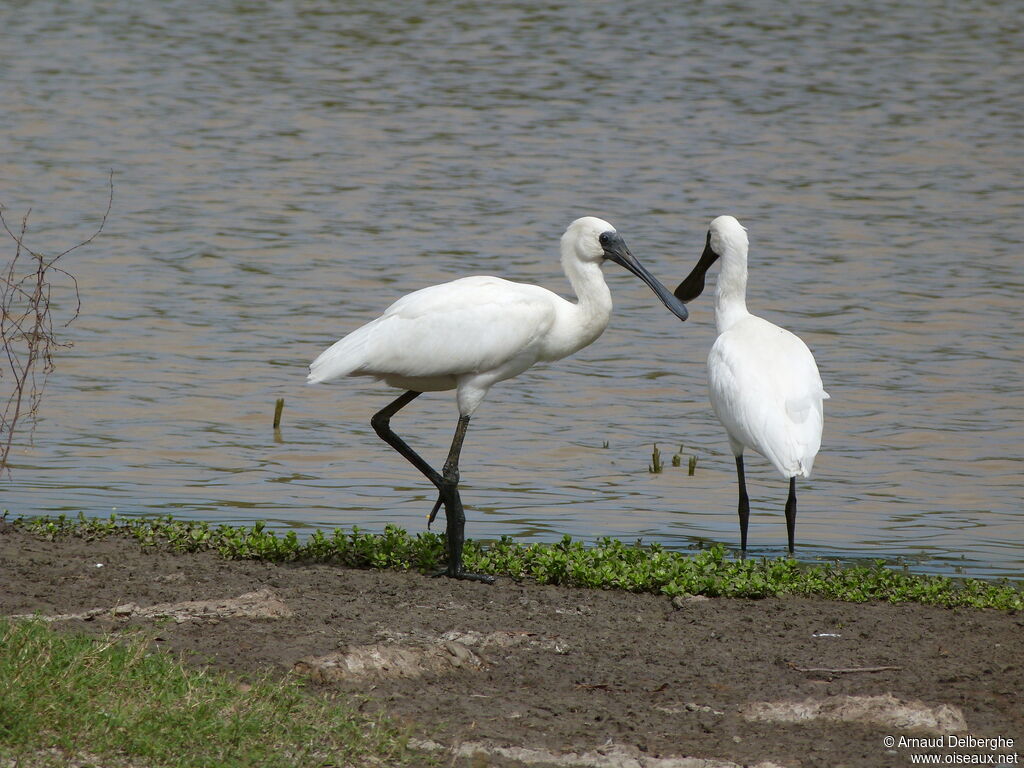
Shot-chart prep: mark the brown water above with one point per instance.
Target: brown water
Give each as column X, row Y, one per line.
column 285, row 170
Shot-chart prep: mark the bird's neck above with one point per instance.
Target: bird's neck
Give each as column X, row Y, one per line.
column 731, row 294
column 593, row 308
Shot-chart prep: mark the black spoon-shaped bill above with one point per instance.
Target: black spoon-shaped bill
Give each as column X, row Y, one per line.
column 693, row 284
column 615, row 248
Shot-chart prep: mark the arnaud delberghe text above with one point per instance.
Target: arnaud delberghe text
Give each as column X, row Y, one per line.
column 952, row 741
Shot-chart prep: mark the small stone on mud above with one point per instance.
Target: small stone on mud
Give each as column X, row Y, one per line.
column 682, row 601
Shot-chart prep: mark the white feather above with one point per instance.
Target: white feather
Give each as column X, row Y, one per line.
column 439, row 333
column 765, row 389
column 763, row 381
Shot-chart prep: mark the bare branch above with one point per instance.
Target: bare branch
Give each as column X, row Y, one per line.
column 99, row 229
column 843, row 670
column 26, row 325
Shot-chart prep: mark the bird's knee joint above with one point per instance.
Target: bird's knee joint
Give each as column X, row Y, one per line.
column 380, row 423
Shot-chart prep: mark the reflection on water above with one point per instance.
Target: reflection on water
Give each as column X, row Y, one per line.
column 283, row 173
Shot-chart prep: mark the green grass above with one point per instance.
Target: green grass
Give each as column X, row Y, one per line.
column 114, row 701
column 608, row 565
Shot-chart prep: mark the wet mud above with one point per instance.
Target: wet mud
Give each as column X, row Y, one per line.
column 519, row 674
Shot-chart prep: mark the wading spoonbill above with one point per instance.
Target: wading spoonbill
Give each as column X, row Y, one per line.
column 471, row 333
column 762, row 380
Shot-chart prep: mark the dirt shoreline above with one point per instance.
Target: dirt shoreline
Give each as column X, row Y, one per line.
column 521, row 674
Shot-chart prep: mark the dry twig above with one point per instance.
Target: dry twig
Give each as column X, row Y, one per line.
column 843, row 670
column 26, row 325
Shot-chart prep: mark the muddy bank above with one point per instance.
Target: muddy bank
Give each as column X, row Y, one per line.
column 520, row 674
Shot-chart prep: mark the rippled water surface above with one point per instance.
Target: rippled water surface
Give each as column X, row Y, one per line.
column 285, row 170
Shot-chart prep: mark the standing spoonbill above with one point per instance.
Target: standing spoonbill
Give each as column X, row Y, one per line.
column 471, row 333
column 762, row 380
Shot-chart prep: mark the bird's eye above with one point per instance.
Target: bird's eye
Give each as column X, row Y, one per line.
column 604, row 238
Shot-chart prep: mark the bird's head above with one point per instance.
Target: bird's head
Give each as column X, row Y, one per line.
column 593, row 240
column 586, row 237
column 725, row 236
column 728, row 235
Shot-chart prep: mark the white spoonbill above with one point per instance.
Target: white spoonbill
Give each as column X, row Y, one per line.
column 762, row 380
column 471, row 333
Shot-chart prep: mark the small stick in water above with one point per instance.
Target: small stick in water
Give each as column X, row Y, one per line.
column 277, row 412
column 656, row 465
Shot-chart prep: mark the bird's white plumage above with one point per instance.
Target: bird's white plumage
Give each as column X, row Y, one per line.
column 765, row 389
column 473, row 332
column 446, row 330
column 763, row 381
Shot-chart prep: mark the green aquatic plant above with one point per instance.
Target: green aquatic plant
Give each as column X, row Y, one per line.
column 609, row 564
column 655, row 467
column 677, row 458
column 677, row 461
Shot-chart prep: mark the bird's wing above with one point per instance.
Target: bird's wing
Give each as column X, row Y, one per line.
column 468, row 325
column 765, row 388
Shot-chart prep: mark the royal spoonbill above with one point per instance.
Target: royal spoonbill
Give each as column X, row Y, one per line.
column 473, row 332
column 762, row 380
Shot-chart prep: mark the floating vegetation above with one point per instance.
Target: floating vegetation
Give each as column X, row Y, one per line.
column 608, row 565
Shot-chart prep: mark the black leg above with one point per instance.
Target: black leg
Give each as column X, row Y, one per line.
column 446, row 483
column 455, row 517
column 791, row 513
column 450, row 473
column 744, row 505
column 381, row 423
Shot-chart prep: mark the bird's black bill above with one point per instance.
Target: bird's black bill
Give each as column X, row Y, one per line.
column 615, row 249
column 693, row 285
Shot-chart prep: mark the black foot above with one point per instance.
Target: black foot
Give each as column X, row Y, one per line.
column 465, row 575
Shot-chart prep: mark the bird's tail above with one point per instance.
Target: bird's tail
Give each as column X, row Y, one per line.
column 342, row 358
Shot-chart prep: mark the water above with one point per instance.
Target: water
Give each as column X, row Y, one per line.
column 283, row 171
